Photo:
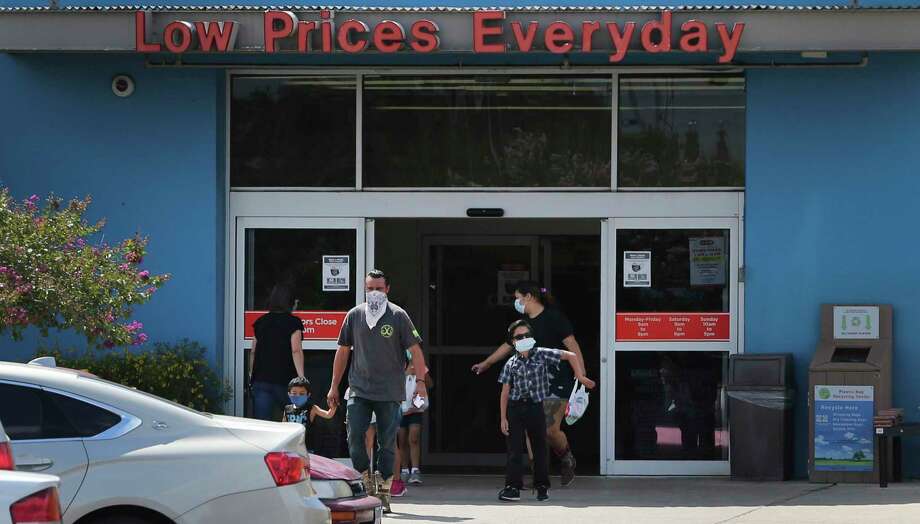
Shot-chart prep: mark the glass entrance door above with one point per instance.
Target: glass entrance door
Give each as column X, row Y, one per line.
column 467, row 308
column 322, row 262
column 675, row 297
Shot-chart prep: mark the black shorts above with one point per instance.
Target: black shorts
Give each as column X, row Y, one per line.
column 409, row 420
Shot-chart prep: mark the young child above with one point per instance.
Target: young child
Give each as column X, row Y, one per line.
column 410, row 427
column 301, row 409
column 525, row 383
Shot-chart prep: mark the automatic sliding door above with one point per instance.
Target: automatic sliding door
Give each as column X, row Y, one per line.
column 322, row 262
column 675, row 294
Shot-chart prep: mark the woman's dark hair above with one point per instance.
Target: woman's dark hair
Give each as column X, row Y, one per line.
column 280, row 299
column 529, row 287
column 514, row 326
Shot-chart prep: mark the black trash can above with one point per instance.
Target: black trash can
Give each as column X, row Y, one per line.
column 761, row 392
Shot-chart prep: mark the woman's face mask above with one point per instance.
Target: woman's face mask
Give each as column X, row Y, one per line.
column 299, row 400
column 524, row 344
column 519, row 305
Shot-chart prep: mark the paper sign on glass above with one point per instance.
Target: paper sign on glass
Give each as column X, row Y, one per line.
column 637, row 269
column 707, row 261
column 336, row 273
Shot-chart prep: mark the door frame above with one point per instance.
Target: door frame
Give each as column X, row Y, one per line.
column 612, row 466
column 361, row 207
column 238, row 268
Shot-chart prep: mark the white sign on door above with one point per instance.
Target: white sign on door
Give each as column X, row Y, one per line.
column 336, row 272
column 856, row 322
column 637, row 269
column 707, row 261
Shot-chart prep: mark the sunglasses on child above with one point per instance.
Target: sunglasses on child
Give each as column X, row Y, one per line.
column 521, row 336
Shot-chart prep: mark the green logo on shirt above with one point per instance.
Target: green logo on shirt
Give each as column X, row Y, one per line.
column 386, row 330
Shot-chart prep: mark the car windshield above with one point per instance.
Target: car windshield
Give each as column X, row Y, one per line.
column 144, row 393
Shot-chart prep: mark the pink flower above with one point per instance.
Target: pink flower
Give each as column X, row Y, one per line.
column 151, row 290
column 124, row 267
column 109, row 317
column 134, row 326
column 144, row 275
column 139, row 339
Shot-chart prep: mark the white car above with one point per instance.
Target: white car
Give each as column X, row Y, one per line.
column 25, row 497
column 124, row 456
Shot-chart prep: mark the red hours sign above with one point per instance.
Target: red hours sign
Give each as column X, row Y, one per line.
column 317, row 325
column 673, row 327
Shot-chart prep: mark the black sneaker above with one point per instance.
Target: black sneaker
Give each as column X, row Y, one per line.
column 542, row 493
column 509, row 494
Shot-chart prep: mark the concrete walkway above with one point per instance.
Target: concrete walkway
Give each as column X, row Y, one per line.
column 460, row 499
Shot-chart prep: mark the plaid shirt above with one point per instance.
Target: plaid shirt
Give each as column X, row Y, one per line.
column 528, row 376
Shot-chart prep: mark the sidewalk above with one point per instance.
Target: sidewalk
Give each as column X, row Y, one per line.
column 459, row 499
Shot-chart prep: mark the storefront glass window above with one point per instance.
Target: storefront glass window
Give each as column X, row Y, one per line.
column 670, row 405
column 681, row 131
column 673, row 270
column 292, row 131
column 487, row 131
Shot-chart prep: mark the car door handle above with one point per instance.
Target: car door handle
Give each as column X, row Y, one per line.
column 35, row 464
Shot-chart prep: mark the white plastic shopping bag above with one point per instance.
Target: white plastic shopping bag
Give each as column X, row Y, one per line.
column 578, row 404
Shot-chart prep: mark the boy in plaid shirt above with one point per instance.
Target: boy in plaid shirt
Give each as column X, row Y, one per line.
column 525, row 383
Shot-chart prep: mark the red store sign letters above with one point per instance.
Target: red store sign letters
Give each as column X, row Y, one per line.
column 490, row 33
column 317, row 325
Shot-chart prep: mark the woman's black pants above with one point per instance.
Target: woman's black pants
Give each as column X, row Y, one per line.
column 526, row 416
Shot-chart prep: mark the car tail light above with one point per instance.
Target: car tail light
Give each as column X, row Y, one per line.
column 6, row 456
column 344, row 517
column 286, row 467
column 41, row 508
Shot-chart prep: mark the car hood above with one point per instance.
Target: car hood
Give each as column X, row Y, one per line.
column 268, row 436
column 322, row 468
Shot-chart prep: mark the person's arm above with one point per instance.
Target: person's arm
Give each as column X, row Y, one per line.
column 297, row 352
column 252, row 359
column 577, row 367
column 338, row 370
column 324, row 413
column 572, row 345
column 429, row 382
column 502, row 352
column 421, row 369
column 503, row 407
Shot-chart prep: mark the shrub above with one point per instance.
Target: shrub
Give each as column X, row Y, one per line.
column 177, row 372
column 58, row 272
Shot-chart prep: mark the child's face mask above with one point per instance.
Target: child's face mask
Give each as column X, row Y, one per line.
column 299, row 400
column 525, row 344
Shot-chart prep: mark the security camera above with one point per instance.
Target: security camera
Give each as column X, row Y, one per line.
column 122, row 85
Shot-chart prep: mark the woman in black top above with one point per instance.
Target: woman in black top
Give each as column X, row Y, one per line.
column 276, row 356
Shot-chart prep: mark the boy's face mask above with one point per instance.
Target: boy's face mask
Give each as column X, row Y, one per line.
column 299, row 400
column 525, row 344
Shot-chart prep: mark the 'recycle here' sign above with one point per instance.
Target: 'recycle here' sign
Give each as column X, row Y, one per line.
column 843, row 428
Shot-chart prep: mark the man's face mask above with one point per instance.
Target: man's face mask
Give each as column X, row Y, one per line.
column 299, row 400
column 376, row 307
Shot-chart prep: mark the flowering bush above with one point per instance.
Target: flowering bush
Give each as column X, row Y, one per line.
column 177, row 372
column 54, row 273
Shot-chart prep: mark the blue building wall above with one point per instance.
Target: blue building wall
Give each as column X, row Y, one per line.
column 831, row 207
column 149, row 161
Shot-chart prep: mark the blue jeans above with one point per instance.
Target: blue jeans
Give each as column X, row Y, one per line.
column 359, row 418
column 265, row 397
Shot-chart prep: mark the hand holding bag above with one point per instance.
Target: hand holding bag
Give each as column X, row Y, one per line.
column 578, row 404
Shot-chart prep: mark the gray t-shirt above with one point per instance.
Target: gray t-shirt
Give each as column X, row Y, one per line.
column 378, row 361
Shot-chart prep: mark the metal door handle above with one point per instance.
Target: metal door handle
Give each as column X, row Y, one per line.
column 35, row 465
